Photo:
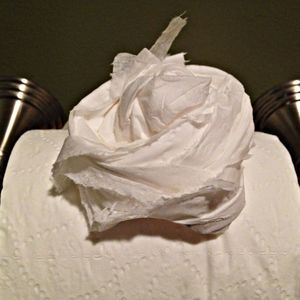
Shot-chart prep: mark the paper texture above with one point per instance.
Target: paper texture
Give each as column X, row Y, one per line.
column 45, row 252
column 161, row 140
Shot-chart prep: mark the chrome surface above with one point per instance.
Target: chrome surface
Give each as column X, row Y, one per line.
column 278, row 112
column 24, row 106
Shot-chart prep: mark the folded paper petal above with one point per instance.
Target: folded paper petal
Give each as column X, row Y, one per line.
column 161, row 139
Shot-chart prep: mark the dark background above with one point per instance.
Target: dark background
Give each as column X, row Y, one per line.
column 67, row 46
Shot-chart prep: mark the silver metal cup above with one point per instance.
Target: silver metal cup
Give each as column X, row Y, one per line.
column 24, row 106
column 278, row 112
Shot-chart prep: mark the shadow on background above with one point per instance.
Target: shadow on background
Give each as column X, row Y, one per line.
column 127, row 230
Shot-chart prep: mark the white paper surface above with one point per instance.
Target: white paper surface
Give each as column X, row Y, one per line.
column 161, row 140
column 45, row 252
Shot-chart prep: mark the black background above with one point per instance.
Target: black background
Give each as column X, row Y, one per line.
column 68, row 46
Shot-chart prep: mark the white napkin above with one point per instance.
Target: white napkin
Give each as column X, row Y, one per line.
column 160, row 140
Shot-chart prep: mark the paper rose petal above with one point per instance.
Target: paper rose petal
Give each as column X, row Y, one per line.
column 161, row 139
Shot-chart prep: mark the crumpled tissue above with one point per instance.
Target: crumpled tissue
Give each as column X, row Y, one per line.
column 161, row 139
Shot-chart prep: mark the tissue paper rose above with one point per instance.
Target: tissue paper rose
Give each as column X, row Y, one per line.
column 161, row 139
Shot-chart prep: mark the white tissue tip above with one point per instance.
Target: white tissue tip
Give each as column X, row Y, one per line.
column 164, row 42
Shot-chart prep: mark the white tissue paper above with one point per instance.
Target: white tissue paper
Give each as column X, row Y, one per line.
column 161, row 139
